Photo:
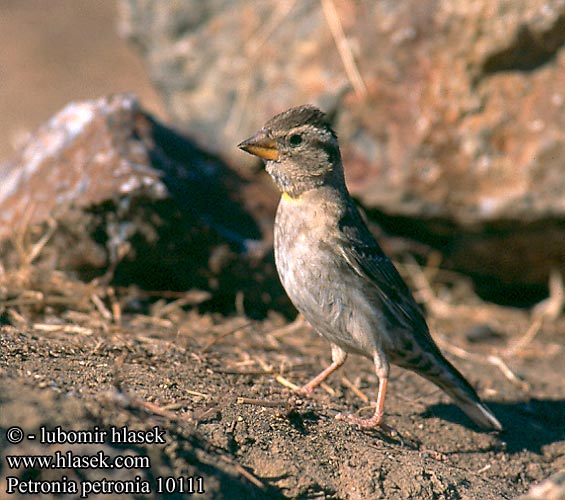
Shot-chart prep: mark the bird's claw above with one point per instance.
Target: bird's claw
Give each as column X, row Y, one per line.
column 367, row 423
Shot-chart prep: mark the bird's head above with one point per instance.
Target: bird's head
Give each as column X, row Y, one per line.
column 300, row 149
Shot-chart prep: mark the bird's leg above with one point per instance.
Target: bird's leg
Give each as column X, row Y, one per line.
column 382, row 370
column 338, row 358
column 377, row 419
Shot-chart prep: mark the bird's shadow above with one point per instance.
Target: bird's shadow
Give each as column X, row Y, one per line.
column 528, row 425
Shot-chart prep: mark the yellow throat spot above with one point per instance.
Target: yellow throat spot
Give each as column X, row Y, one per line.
column 286, row 197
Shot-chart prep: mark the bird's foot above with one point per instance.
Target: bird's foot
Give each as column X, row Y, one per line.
column 306, row 391
column 367, row 423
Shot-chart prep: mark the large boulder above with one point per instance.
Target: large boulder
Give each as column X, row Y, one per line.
column 450, row 114
column 102, row 190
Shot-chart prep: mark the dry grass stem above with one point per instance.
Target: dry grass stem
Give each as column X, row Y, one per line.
column 190, row 298
column 549, row 309
column 507, row 372
column 553, row 306
column 17, row 319
column 328, row 389
column 252, row 52
column 344, row 48
column 480, row 359
column 286, row 383
column 196, row 393
column 484, row 469
column 43, row 327
column 38, row 247
column 27, row 252
column 102, row 309
column 480, row 313
column 264, row 365
column 263, row 402
column 116, row 308
column 296, row 325
column 244, row 472
column 176, row 406
column 230, row 371
column 153, row 408
column 355, row 390
column 523, row 341
column 142, row 320
column 223, row 335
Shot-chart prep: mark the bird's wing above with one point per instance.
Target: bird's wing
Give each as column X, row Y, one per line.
column 366, row 257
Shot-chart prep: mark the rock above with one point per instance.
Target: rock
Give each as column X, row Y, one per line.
column 454, row 135
column 109, row 192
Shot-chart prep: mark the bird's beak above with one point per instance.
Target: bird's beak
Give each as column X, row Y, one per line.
column 261, row 145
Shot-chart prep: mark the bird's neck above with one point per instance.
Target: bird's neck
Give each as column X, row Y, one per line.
column 294, row 187
column 316, row 198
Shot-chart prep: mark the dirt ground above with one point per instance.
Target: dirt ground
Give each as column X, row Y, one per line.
column 218, row 386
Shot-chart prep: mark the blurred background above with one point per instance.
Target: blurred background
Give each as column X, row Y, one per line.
column 67, row 52
column 451, row 117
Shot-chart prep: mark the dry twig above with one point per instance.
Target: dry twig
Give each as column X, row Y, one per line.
column 481, row 359
column 549, row 309
column 286, row 383
column 328, row 389
column 223, row 335
column 102, row 309
column 442, row 309
column 263, row 402
column 252, row 51
column 43, row 327
column 344, row 48
column 244, row 472
column 296, row 325
column 354, row 389
column 189, row 298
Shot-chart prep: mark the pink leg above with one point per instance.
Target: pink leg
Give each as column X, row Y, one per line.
column 338, row 358
column 377, row 419
column 381, row 369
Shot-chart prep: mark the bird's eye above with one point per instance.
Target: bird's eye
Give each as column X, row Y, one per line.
column 295, row 140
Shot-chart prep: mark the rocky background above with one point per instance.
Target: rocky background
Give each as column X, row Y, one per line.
column 451, row 118
column 451, row 115
column 123, row 196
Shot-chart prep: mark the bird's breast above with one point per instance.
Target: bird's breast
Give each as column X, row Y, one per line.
column 317, row 279
column 301, row 237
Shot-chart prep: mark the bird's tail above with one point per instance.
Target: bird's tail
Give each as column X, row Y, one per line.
column 443, row 374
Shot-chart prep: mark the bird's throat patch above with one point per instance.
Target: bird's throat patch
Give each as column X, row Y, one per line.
column 286, row 197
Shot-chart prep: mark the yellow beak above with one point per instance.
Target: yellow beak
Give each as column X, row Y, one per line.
column 260, row 145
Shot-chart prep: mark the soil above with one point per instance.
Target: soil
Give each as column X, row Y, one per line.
column 188, row 372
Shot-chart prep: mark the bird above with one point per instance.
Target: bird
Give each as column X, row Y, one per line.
column 336, row 274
